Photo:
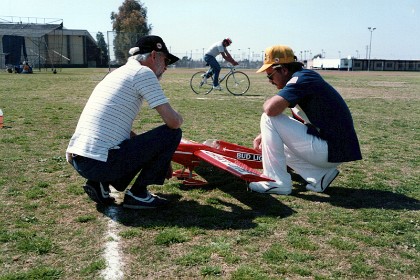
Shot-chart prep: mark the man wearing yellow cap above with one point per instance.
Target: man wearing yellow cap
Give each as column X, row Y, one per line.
column 314, row 146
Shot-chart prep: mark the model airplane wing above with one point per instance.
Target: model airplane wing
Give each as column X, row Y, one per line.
column 232, row 166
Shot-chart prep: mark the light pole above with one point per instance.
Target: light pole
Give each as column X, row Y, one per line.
column 371, row 29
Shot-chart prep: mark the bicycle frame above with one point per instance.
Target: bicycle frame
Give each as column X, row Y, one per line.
column 222, row 78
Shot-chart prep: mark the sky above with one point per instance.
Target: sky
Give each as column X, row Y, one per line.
column 335, row 28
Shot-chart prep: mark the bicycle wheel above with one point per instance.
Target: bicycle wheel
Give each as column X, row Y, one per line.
column 237, row 83
column 198, row 85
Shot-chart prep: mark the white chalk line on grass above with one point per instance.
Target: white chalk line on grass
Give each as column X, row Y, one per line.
column 226, row 98
column 112, row 252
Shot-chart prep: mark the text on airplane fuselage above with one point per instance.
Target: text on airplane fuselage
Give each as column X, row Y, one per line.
column 247, row 156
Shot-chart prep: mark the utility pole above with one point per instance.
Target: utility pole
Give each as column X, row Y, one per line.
column 371, row 29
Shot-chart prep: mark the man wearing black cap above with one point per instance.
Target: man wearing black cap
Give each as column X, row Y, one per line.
column 105, row 150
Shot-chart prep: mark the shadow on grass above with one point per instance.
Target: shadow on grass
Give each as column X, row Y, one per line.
column 217, row 213
column 362, row 198
column 191, row 213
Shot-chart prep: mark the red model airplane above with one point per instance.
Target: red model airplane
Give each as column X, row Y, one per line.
column 235, row 159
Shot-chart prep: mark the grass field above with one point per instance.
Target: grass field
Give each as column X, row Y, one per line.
column 366, row 226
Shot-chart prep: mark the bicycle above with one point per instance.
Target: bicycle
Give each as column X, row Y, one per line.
column 237, row 82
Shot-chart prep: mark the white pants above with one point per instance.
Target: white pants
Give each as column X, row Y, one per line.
column 286, row 143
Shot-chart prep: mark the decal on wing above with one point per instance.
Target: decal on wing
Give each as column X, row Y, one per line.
column 232, row 166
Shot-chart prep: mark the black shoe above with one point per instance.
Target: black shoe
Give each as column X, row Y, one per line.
column 98, row 192
column 150, row 201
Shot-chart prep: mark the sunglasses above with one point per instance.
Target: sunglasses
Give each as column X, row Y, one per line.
column 270, row 77
column 167, row 60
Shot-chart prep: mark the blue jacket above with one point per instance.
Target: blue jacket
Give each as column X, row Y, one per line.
column 327, row 111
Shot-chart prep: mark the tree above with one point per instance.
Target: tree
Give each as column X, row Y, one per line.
column 130, row 23
column 103, row 56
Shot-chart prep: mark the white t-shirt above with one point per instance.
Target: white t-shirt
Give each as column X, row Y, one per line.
column 216, row 49
column 109, row 113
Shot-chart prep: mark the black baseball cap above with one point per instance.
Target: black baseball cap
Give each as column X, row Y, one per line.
column 149, row 43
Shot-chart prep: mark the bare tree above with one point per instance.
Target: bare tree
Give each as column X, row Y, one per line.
column 130, row 23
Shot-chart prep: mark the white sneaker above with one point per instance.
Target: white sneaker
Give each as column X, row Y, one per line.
column 218, row 87
column 325, row 181
column 270, row 187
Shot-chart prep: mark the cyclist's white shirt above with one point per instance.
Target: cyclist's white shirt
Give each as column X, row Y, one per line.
column 109, row 113
column 216, row 49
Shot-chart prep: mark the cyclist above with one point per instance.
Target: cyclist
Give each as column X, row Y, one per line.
column 210, row 57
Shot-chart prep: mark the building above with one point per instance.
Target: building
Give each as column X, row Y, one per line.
column 384, row 65
column 46, row 45
column 356, row 64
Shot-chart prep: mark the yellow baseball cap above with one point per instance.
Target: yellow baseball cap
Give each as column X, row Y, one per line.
column 277, row 55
